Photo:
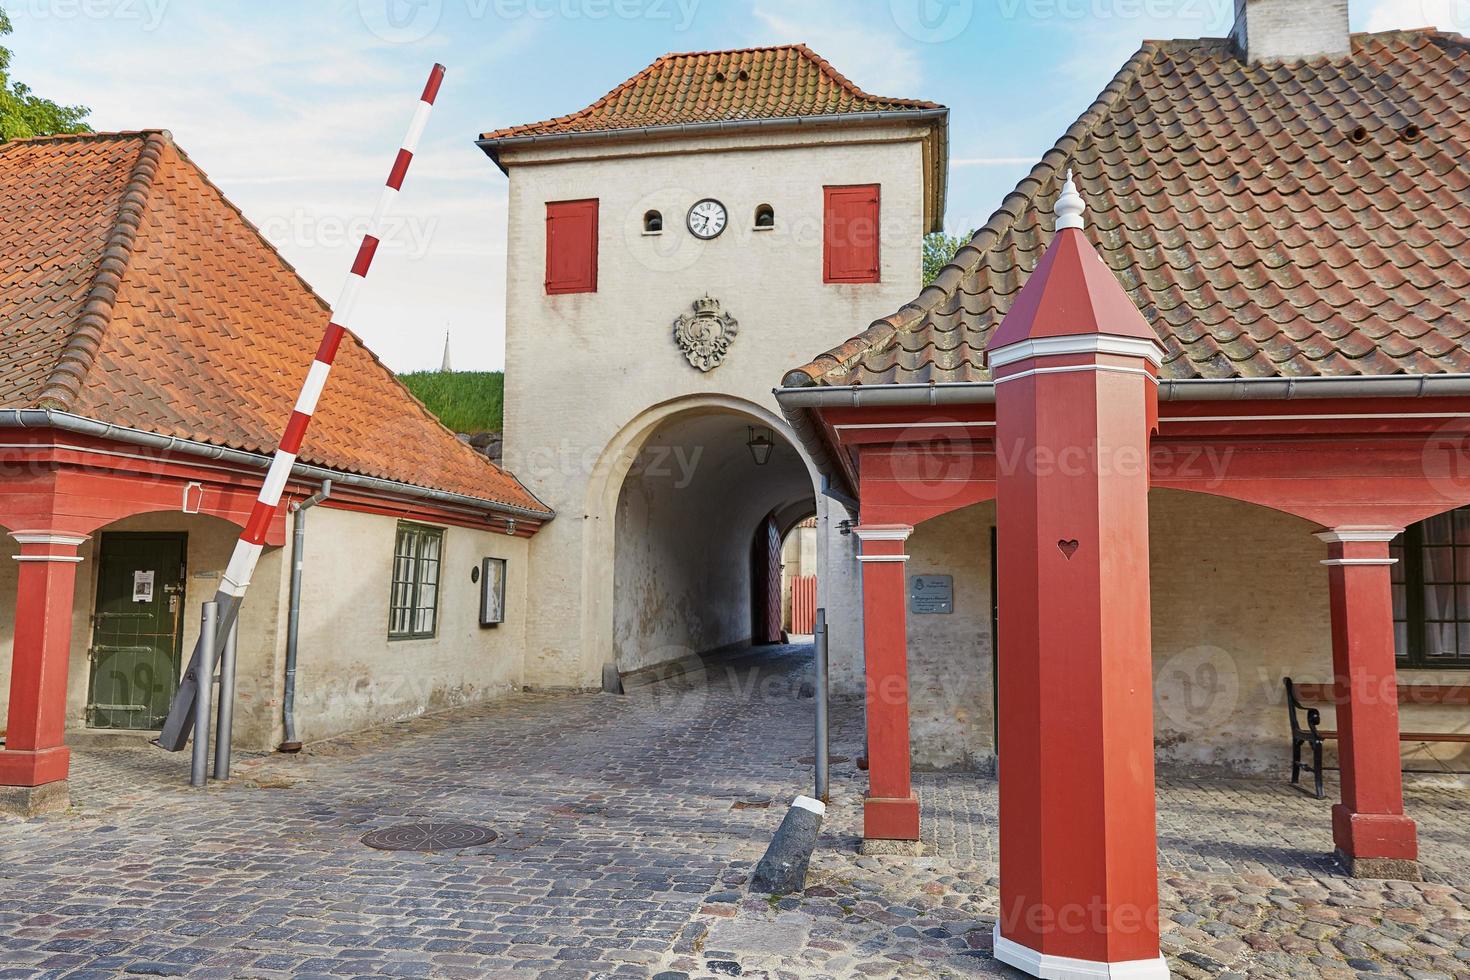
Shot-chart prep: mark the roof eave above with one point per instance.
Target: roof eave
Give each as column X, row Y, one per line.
column 799, row 404
column 492, row 145
column 39, row 418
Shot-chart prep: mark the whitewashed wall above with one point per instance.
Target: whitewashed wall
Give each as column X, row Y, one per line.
column 350, row 676
column 582, row 367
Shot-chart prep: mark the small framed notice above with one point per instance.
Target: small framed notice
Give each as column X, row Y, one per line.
column 931, row 594
column 492, row 591
column 143, row 586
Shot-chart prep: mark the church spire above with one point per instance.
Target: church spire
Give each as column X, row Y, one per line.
column 444, row 364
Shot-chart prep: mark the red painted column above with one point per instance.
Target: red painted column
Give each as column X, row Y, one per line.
column 890, row 811
column 1076, row 402
column 35, row 753
column 1373, row 836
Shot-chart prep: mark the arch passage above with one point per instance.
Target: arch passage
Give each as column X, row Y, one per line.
column 698, row 539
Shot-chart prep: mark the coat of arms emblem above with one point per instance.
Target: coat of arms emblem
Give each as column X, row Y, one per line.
column 705, row 335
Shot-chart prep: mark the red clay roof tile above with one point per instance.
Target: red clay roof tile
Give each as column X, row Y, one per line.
column 133, row 292
column 719, row 86
column 1294, row 219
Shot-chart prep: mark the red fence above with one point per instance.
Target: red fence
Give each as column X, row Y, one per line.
column 803, row 603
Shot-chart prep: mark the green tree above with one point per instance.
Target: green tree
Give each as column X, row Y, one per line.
column 939, row 248
column 23, row 114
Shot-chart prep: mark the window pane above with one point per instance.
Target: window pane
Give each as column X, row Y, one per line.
column 1461, row 521
column 1439, row 639
column 1439, row 565
column 413, row 597
column 1438, row 529
column 1401, row 639
column 1439, row 602
column 1397, row 570
column 1400, row 603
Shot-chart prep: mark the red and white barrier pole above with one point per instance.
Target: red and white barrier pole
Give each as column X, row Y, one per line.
column 237, row 574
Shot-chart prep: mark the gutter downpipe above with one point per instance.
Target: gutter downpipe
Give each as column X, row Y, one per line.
column 289, row 742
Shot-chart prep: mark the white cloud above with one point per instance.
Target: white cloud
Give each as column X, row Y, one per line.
column 869, row 54
column 1388, row 15
column 296, row 114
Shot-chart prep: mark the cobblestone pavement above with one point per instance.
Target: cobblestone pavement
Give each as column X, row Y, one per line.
column 627, row 829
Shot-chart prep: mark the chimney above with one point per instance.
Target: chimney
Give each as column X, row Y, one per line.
column 1291, row 30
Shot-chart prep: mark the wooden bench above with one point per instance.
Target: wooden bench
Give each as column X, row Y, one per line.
column 1315, row 736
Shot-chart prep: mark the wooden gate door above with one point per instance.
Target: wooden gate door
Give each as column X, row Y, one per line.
column 137, row 631
column 765, row 583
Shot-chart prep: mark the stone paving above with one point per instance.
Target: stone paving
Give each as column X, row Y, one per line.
column 628, row 827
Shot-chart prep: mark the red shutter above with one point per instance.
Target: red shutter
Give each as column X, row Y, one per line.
column 850, row 234
column 571, row 247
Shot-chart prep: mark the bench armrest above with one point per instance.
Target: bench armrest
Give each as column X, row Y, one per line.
column 1314, row 718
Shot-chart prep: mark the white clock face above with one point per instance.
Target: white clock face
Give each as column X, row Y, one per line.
column 707, row 218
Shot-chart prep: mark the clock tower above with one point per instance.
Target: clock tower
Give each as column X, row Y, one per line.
column 672, row 249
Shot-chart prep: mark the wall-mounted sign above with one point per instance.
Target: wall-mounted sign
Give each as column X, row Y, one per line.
column 930, row 594
column 143, row 586
column 492, row 591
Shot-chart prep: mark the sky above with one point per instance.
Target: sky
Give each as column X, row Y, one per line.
column 296, row 109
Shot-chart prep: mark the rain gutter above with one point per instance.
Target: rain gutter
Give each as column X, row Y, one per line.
column 45, row 418
column 798, row 404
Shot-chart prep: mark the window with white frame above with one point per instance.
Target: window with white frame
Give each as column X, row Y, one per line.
column 413, row 605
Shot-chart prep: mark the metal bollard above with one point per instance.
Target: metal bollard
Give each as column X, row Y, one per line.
column 823, row 753
column 225, row 729
column 199, row 763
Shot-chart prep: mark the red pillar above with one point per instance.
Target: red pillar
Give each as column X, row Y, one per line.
column 35, row 761
column 890, row 811
column 1076, row 402
column 1374, row 838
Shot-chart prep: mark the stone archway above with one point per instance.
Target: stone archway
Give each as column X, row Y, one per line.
column 674, row 503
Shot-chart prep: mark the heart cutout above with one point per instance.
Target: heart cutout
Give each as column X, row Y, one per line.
column 1068, row 547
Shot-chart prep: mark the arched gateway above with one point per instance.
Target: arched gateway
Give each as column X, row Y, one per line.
column 684, row 503
column 663, row 272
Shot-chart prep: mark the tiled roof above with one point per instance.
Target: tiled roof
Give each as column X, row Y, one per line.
column 134, row 293
column 718, row 86
column 1275, row 220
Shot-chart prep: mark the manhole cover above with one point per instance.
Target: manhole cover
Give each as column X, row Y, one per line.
column 428, row 837
column 811, row 760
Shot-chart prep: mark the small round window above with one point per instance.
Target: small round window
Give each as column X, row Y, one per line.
column 765, row 216
column 653, row 222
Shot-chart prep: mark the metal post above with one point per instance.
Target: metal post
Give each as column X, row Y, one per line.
column 823, row 750
column 225, row 732
column 199, row 765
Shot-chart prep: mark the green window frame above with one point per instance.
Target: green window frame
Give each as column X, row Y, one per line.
column 413, row 602
column 1431, row 593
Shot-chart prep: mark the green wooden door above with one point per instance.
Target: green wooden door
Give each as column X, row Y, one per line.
column 137, row 631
